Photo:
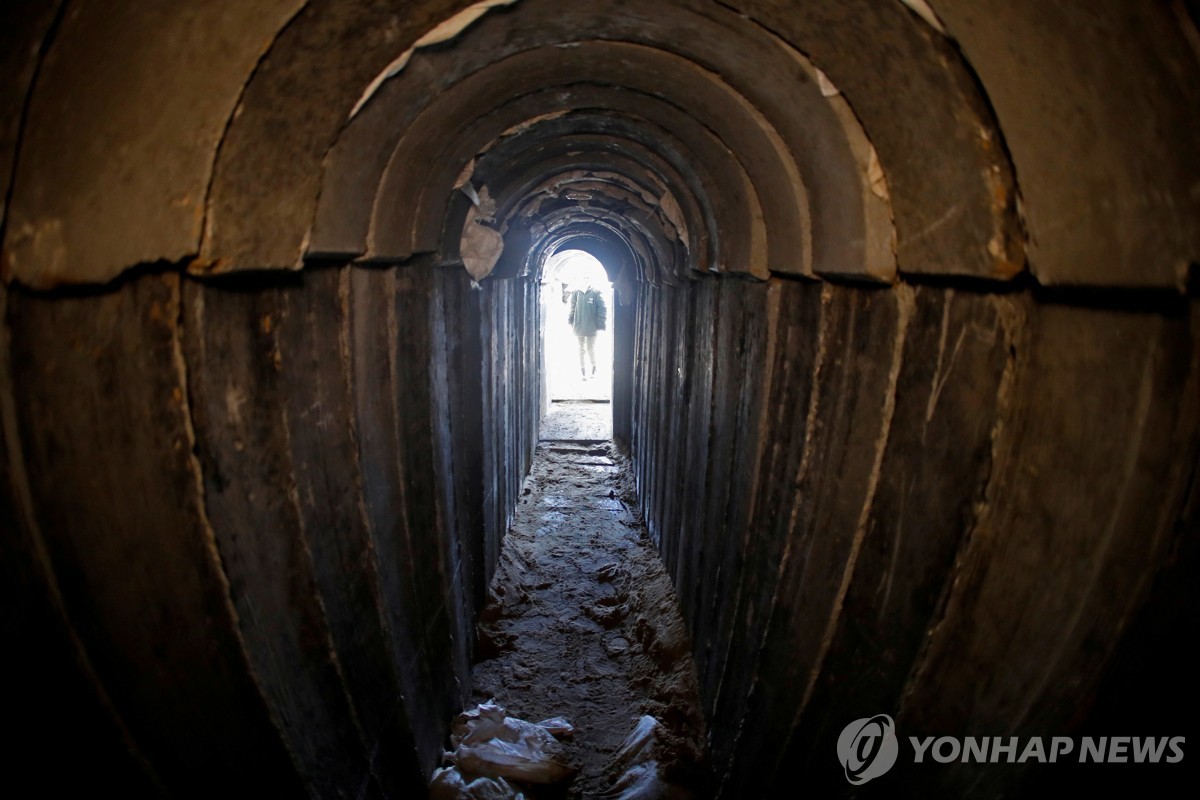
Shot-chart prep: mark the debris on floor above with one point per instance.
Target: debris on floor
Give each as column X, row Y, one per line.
column 582, row 622
column 448, row 784
column 492, row 748
column 640, row 776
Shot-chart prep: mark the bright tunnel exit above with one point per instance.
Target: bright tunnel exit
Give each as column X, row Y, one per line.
column 577, row 303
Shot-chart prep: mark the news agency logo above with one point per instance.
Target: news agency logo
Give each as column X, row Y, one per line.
column 868, row 748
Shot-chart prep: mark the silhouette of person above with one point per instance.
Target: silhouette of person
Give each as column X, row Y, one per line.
column 587, row 316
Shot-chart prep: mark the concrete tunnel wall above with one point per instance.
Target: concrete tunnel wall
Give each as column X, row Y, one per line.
column 906, row 361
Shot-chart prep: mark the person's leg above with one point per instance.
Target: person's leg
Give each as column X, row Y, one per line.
column 582, row 350
column 591, row 351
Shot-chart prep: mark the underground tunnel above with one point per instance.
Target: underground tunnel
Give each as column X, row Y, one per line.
column 904, row 364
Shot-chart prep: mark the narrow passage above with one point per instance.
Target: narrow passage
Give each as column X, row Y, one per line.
column 582, row 620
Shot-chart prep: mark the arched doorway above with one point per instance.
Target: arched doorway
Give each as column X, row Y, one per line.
column 571, row 372
column 577, row 369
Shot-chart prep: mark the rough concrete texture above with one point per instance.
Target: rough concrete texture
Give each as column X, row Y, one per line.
column 926, row 502
column 23, row 29
column 127, row 586
column 582, row 620
column 276, row 528
column 119, row 141
column 1107, row 202
column 744, row 76
column 1119, row 95
column 58, row 680
column 267, row 175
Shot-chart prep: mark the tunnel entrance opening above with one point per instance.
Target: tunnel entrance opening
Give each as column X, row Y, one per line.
column 577, row 348
column 577, row 331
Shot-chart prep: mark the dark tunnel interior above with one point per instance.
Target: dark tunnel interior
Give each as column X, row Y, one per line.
column 906, row 360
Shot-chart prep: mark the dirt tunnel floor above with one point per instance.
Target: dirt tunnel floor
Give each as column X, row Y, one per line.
column 582, row 621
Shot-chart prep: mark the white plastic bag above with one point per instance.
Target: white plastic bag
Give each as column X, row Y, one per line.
column 490, row 744
column 481, row 723
column 518, row 750
column 641, row 777
column 559, row 727
column 638, row 744
column 642, row 781
column 448, row 784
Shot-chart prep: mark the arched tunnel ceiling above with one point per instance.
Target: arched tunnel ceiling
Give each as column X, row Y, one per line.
column 1104, row 138
column 122, row 130
column 649, row 139
column 207, row 134
column 573, row 201
column 641, row 80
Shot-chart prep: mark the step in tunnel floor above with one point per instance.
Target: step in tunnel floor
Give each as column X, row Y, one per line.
column 582, row 619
